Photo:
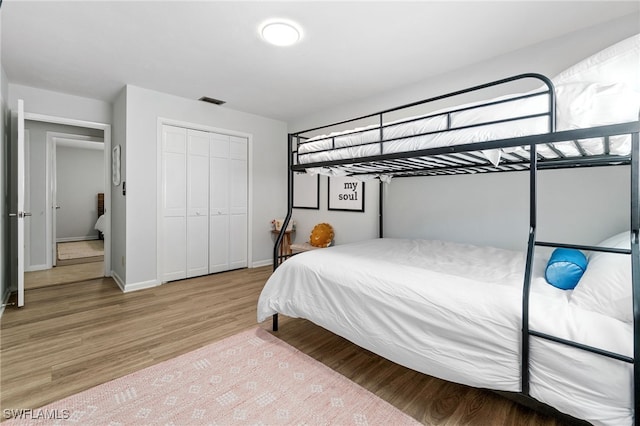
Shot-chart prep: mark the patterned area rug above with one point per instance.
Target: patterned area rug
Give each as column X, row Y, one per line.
column 80, row 249
column 250, row 378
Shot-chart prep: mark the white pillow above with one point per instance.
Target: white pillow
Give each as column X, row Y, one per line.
column 618, row 63
column 582, row 105
column 605, row 286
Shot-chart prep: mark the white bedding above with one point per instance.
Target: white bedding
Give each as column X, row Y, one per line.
column 453, row 311
column 602, row 89
column 99, row 226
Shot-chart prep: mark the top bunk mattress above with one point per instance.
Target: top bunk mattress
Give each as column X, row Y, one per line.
column 602, row 89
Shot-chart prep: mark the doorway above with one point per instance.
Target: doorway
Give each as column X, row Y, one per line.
column 66, row 199
column 48, row 136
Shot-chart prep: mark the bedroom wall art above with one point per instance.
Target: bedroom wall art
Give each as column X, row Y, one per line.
column 115, row 165
column 346, row 194
column 306, row 191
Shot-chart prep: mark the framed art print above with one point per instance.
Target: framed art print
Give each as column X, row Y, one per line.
column 115, row 165
column 306, row 191
column 346, row 194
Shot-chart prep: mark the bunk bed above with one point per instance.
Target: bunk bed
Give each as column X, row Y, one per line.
column 483, row 316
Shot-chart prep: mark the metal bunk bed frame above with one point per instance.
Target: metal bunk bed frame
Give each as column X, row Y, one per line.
column 460, row 159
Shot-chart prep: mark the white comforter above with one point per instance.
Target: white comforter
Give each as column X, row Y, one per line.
column 454, row 311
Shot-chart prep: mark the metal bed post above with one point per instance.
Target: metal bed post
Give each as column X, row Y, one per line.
column 635, row 268
column 524, row 364
column 533, row 208
column 381, row 209
column 380, row 194
column 277, row 258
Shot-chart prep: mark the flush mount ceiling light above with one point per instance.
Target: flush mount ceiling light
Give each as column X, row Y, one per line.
column 280, row 33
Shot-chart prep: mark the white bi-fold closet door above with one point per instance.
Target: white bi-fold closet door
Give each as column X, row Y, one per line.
column 204, row 190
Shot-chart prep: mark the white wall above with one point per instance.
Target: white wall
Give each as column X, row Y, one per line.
column 47, row 102
column 492, row 209
column 80, row 177
column 267, row 165
column 581, row 206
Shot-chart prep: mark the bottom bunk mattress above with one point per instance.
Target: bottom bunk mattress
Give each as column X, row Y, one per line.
column 454, row 311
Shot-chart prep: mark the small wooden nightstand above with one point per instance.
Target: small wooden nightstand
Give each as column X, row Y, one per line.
column 285, row 247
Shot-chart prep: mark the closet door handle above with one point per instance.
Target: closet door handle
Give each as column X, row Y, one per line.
column 20, row 215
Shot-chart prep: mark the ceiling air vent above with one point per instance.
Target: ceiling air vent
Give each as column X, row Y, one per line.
column 211, row 100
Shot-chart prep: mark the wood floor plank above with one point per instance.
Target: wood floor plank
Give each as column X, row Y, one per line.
column 66, row 271
column 72, row 337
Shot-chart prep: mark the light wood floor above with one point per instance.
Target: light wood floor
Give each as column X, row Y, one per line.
column 63, row 274
column 72, row 337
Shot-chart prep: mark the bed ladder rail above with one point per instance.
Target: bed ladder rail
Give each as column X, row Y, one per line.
column 634, row 252
column 635, row 267
column 569, row 342
column 278, row 256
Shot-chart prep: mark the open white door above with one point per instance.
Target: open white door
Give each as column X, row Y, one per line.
column 20, row 214
column 55, row 206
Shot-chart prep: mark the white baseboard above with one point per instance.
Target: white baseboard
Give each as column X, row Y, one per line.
column 71, row 239
column 261, row 263
column 141, row 285
column 33, row 268
column 127, row 288
column 118, row 280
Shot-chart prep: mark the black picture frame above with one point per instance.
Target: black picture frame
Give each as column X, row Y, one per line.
column 306, row 191
column 345, row 194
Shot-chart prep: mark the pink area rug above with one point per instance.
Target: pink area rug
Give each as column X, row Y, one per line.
column 250, row 378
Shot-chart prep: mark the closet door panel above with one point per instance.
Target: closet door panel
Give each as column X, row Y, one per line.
column 198, row 186
column 174, row 208
column 218, row 243
column 238, row 148
column 175, row 249
column 198, row 172
column 238, row 186
column 220, row 145
column 197, row 203
column 174, row 171
column 219, row 186
column 174, row 184
column 238, row 241
column 238, row 203
column 197, row 246
column 238, row 175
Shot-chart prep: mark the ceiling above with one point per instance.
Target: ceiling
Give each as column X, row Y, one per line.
column 350, row 50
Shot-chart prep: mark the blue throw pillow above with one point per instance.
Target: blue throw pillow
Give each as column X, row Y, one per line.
column 565, row 268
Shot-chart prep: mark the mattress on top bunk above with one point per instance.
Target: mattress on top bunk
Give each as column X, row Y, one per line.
column 454, row 311
column 602, row 89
